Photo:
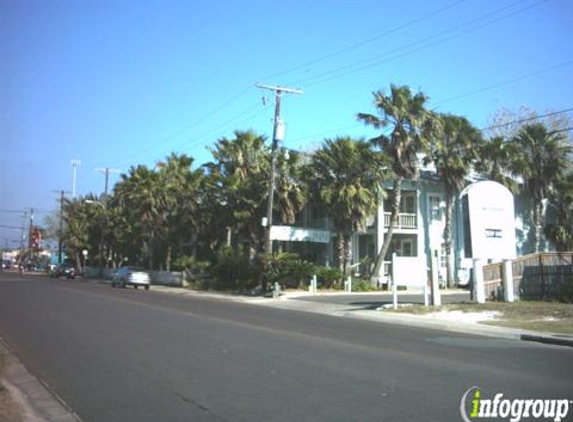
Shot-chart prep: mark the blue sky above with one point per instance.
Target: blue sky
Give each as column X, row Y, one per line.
column 117, row 83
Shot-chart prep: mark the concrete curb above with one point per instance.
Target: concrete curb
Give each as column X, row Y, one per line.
column 38, row 402
column 549, row 339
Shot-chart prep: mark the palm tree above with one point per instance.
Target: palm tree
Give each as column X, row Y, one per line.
column 346, row 175
column 499, row 161
column 412, row 127
column 239, row 173
column 75, row 232
column 141, row 194
column 560, row 231
column 290, row 194
column 453, row 154
column 181, row 186
column 544, row 159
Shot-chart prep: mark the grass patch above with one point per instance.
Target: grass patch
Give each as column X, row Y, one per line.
column 536, row 316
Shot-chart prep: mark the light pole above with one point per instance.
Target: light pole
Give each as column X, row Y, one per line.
column 75, row 164
column 278, row 135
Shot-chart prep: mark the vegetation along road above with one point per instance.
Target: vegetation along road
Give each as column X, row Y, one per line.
column 132, row 355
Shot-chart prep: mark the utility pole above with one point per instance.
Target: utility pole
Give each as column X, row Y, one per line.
column 61, row 224
column 107, row 171
column 75, row 164
column 22, row 237
column 278, row 135
column 30, row 229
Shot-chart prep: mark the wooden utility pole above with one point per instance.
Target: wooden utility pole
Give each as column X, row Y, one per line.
column 278, row 135
column 107, row 171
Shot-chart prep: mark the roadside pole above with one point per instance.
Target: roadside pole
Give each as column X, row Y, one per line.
column 479, row 287
column 436, row 295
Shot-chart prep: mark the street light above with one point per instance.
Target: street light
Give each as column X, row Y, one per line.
column 91, row 201
column 75, row 164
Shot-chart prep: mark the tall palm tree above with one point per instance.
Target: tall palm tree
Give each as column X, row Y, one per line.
column 544, row 159
column 75, row 231
column 412, row 127
column 560, row 231
column 347, row 176
column 240, row 174
column 181, row 185
column 141, row 194
column 499, row 160
column 290, row 194
column 453, row 154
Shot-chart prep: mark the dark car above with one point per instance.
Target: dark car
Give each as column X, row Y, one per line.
column 64, row 270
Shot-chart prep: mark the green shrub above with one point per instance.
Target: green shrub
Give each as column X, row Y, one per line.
column 329, row 277
column 231, row 270
column 288, row 269
column 298, row 272
column 362, row 285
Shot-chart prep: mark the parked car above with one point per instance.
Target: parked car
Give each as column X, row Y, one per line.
column 133, row 276
column 64, row 270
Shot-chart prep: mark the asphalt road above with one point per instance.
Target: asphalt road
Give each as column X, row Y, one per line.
column 131, row 355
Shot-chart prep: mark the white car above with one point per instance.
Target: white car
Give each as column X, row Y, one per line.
column 131, row 276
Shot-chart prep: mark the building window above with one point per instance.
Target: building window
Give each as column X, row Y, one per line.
column 408, row 204
column 435, row 207
column 443, row 256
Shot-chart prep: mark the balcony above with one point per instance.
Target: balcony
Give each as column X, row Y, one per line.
column 405, row 220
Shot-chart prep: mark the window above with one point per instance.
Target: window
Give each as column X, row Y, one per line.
column 493, row 233
column 408, row 204
column 443, row 256
column 407, row 248
column 435, row 209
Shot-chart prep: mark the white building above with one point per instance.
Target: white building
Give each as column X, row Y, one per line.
column 420, row 229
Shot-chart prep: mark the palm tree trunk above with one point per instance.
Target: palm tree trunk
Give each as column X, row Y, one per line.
column 168, row 259
column 378, row 269
column 79, row 263
column 341, row 253
column 150, row 250
column 347, row 249
column 537, row 212
column 448, row 239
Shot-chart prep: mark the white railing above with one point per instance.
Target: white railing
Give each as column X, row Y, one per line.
column 405, row 220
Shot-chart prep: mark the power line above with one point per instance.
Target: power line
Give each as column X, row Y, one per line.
column 562, row 130
column 190, row 126
column 387, row 56
column 528, row 119
column 507, row 82
column 366, row 41
column 335, row 53
column 229, row 122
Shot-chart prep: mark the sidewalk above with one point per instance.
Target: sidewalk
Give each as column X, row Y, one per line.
column 36, row 402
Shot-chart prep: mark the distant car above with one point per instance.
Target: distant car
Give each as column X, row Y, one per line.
column 64, row 270
column 133, row 276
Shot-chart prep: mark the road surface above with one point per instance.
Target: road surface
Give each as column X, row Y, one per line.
column 131, row 355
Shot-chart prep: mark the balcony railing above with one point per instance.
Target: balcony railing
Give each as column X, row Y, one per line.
column 405, row 220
